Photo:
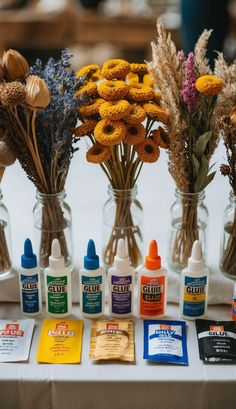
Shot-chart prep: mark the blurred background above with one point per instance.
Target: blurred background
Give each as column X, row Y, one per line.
column 96, row 30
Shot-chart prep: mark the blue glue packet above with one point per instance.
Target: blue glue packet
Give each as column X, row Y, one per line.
column 165, row 341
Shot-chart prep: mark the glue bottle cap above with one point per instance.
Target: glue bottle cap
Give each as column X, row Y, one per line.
column 28, row 259
column 195, row 262
column 91, row 260
column 56, row 260
column 121, row 259
column 153, row 260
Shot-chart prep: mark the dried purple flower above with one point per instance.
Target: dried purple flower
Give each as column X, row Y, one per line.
column 189, row 92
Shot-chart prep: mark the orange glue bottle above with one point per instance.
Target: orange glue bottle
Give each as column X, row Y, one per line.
column 152, row 285
column 234, row 304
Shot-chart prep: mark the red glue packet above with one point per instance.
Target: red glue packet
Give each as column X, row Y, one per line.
column 216, row 340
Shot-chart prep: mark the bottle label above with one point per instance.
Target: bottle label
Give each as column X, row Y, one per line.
column 152, row 295
column 57, row 293
column 30, row 293
column 92, row 294
column 194, row 296
column 121, row 294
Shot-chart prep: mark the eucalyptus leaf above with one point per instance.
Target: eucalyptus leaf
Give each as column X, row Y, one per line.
column 208, row 180
column 196, row 164
column 201, row 143
column 202, row 174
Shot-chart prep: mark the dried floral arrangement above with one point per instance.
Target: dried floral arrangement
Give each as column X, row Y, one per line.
column 189, row 94
column 226, row 114
column 118, row 120
column 7, row 158
column 38, row 115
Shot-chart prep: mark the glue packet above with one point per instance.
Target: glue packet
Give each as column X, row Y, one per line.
column 15, row 339
column 60, row 341
column 165, row 341
column 216, row 340
column 112, row 340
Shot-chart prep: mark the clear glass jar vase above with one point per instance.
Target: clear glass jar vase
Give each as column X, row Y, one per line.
column 122, row 218
column 228, row 239
column 189, row 221
column 5, row 240
column 52, row 220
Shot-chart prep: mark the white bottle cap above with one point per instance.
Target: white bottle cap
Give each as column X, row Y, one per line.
column 56, row 260
column 121, row 259
column 195, row 262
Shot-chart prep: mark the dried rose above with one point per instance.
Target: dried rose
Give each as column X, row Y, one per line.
column 14, row 65
column 37, row 93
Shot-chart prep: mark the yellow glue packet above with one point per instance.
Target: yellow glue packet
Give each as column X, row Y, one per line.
column 60, row 341
column 112, row 340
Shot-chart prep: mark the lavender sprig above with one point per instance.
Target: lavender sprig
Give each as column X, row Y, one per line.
column 189, row 92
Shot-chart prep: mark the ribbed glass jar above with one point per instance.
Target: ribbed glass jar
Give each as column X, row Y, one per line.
column 228, row 239
column 53, row 220
column 189, row 221
column 122, row 218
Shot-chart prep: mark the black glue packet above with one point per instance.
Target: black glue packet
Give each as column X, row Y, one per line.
column 216, row 340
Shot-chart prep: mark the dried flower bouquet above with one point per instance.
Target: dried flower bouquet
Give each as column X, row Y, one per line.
column 118, row 120
column 189, row 94
column 38, row 114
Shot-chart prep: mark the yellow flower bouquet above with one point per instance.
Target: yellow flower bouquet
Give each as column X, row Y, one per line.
column 118, row 117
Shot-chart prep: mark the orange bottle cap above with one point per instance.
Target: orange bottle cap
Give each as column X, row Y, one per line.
column 153, row 260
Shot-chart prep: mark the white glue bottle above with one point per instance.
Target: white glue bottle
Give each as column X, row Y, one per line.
column 194, row 286
column 57, row 279
column 121, row 284
column 152, row 285
column 92, row 285
column 29, row 280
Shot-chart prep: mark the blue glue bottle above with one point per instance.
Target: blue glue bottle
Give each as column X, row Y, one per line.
column 92, row 285
column 29, row 280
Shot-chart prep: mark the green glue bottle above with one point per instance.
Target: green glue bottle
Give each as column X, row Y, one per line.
column 57, row 280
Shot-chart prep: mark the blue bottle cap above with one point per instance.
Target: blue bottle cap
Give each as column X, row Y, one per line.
column 91, row 260
column 28, row 259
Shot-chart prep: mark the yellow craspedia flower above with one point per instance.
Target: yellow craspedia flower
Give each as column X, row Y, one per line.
column 90, row 89
column 157, row 96
column 113, row 90
column 132, row 78
column 148, row 151
column 86, row 128
column 140, row 92
column 91, row 108
column 154, row 111
column 147, row 80
column 92, row 71
column 109, row 132
column 209, row 84
column 135, row 115
column 160, row 137
column 115, row 69
column 135, row 134
column 98, row 153
column 139, row 69
column 114, row 110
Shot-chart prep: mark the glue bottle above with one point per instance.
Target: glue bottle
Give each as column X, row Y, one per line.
column 92, row 285
column 29, row 280
column 194, row 285
column 57, row 279
column 121, row 284
column 152, row 285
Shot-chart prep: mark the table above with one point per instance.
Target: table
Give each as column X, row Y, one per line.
column 117, row 386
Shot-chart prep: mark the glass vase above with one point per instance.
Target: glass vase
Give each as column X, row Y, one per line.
column 122, row 218
column 228, row 239
column 5, row 240
column 189, row 221
column 52, row 220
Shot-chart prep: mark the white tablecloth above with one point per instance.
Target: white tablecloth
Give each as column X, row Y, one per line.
column 117, row 386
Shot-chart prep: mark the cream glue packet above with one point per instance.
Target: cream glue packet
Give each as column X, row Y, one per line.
column 60, row 341
column 112, row 340
column 216, row 340
column 15, row 339
column 165, row 341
